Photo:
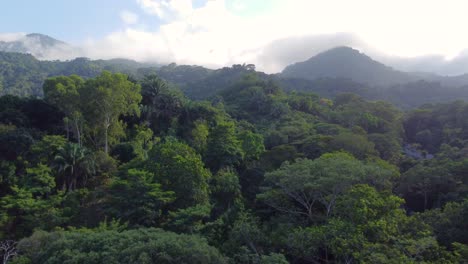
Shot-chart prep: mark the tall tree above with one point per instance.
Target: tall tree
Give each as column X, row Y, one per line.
column 106, row 98
column 65, row 93
column 179, row 169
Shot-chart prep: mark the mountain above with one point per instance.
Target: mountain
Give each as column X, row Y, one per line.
column 336, row 71
column 23, row 74
column 345, row 62
column 40, row 46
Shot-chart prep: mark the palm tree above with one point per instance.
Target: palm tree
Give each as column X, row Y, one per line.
column 75, row 163
column 160, row 103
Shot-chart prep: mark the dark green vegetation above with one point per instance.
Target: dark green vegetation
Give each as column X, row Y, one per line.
column 112, row 169
column 339, row 70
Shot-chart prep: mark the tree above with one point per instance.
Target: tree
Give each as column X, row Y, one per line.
column 299, row 188
column 144, row 245
column 388, row 147
column 65, row 93
column 161, row 103
column 39, row 180
column 75, row 164
column 252, row 145
column 178, row 168
column 368, row 227
column 224, row 148
column 449, row 223
column 106, row 98
column 26, row 209
column 47, row 148
column 225, row 190
column 356, row 144
column 385, row 226
column 245, row 239
column 199, row 136
column 14, row 142
column 430, row 185
column 8, row 250
column 136, row 198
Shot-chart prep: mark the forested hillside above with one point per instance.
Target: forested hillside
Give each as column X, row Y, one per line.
column 117, row 169
column 23, row 74
column 339, row 70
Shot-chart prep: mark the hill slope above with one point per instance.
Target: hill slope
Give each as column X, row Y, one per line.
column 23, row 74
column 345, row 62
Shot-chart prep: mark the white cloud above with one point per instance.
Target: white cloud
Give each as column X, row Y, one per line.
column 129, row 18
column 214, row 35
column 8, row 37
column 167, row 9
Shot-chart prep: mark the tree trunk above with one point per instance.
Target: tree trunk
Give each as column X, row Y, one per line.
column 106, row 132
column 106, row 146
column 425, row 200
column 78, row 133
column 67, row 128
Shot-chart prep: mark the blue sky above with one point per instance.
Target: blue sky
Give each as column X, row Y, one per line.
column 215, row 33
column 77, row 20
column 68, row 20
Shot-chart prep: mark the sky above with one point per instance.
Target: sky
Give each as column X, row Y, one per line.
column 268, row 33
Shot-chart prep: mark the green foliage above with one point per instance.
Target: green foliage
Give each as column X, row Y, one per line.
column 136, row 198
column 178, row 168
column 433, row 183
column 264, row 176
column 296, row 188
column 369, row 227
column 46, row 149
column 106, row 98
column 189, row 220
column 75, row 164
column 449, row 223
column 132, row 246
column 199, row 136
column 162, row 104
column 357, row 145
column 438, row 124
column 252, row 145
column 24, row 210
column 225, row 190
column 39, row 180
column 224, row 148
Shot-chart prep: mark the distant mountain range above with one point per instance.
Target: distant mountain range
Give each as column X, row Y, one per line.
column 338, row 70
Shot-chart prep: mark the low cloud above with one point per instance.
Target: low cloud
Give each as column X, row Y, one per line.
column 129, row 18
column 9, row 37
column 225, row 32
column 37, row 46
column 276, row 55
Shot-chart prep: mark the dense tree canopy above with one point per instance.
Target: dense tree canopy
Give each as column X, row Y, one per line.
column 117, row 169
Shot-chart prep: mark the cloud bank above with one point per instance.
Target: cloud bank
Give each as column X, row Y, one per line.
column 275, row 33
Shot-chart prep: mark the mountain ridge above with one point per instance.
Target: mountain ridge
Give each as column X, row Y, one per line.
column 346, row 62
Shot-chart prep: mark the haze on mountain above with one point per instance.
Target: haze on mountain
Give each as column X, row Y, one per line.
column 40, row 46
column 220, row 33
